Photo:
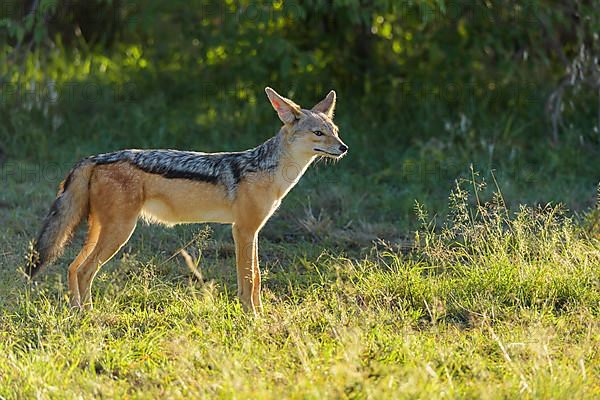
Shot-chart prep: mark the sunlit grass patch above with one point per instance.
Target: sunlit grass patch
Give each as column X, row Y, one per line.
column 491, row 304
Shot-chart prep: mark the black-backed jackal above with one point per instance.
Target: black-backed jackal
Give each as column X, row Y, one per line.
column 240, row 188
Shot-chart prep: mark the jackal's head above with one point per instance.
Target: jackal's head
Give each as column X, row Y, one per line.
column 311, row 132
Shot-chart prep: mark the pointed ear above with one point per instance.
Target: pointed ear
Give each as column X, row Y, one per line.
column 287, row 110
column 327, row 105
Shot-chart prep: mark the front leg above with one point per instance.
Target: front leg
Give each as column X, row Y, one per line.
column 256, row 287
column 245, row 250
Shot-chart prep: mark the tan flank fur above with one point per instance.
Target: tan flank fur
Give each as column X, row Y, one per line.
column 243, row 189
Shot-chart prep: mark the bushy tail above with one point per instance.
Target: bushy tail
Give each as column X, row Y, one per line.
column 67, row 211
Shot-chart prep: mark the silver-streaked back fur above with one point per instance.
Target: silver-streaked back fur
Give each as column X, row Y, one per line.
column 227, row 169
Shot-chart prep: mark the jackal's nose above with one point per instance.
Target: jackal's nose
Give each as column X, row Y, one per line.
column 343, row 148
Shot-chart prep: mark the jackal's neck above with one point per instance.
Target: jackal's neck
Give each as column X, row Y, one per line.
column 293, row 162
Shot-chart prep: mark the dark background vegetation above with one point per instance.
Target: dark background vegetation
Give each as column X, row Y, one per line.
column 425, row 89
column 490, row 303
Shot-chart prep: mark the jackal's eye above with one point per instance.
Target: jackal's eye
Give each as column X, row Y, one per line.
column 318, row 133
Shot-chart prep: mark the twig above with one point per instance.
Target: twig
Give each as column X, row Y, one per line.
column 191, row 265
column 182, row 248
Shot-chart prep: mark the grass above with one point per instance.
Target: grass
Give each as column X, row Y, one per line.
column 493, row 304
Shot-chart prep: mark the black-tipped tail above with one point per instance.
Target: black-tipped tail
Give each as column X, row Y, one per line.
column 51, row 239
column 69, row 207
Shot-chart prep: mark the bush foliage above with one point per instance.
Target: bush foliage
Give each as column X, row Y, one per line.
column 395, row 60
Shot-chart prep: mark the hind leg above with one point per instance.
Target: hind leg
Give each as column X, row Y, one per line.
column 90, row 243
column 112, row 237
column 116, row 197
